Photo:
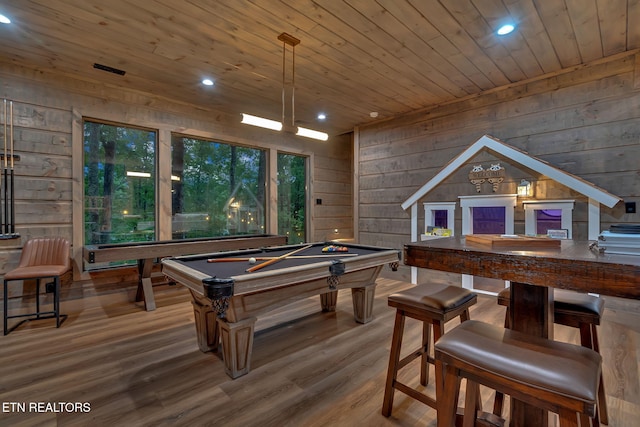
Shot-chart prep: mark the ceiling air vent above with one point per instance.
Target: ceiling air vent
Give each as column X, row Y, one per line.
column 109, row 69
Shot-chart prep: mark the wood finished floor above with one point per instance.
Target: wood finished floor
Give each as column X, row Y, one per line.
column 309, row 368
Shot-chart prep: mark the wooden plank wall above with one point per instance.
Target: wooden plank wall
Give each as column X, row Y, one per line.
column 584, row 121
column 44, row 106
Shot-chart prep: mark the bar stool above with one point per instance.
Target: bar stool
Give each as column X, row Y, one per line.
column 551, row 375
column 576, row 310
column 41, row 258
column 434, row 305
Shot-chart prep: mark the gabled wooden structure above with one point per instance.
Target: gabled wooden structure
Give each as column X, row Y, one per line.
column 596, row 195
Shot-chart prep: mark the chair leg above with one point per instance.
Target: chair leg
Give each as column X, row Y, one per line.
column 471, row 403
column 394, row 359
column 37, row 298
column 498, row 402
column 603, row 413
column 438, row 331
column 589, row 339
column 424, row 359
column 447, row 391
column 6, row 307
column 56, row 299
column 569, row 418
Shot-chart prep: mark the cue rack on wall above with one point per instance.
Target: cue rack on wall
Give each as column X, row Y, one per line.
column 7, row 188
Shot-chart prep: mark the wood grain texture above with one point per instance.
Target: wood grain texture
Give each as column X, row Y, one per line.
column 49, row 109
column 309, row 368
column 355, row 56
column 576, row 121
column 497, row 241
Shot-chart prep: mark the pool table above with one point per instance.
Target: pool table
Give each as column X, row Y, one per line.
column 147, row 252
column 226, row 294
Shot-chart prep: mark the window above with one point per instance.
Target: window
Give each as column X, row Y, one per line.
column 439, row 215
column 440, row 219
column 119, row 183
column 548, row 219
column 488, row 219
column 492, row 214
column 218, row 189
column 292, row 197
column 543, row 215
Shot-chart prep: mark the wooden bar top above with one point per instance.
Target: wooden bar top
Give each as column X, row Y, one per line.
column 572, row 265
column 532, row 271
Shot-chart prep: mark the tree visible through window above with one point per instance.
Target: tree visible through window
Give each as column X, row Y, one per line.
column 119, row 183
column 217, row 189
column 292, row 197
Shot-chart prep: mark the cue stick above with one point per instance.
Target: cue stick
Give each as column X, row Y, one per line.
column 5, row 194
column 266, row 258
column 6, row 190
column 273, row 261
column 4, row 117
column 12, row 207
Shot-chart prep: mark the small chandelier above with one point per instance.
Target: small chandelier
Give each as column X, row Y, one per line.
column 289, row 40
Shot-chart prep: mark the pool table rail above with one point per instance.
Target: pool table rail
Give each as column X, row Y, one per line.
column 147, row 252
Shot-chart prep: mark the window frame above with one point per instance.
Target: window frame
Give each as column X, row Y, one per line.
column 266, row 152
column 430, row 209
column 307, row 202
column 82, row 159
column 531, row 206
column 163, row 173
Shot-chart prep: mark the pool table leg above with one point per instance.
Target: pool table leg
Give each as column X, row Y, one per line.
column 237, row 345
column 329, row 300
column 363, row 302
column 205, row 319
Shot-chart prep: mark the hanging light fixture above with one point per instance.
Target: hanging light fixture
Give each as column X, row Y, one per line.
column 525, row 189
column 310, row 133
column 248, row 119
column 287, row 40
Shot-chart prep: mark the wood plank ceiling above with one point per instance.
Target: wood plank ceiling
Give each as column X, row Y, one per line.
column 355, row 56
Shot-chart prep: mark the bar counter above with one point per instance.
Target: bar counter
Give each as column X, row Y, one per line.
column 573, row 265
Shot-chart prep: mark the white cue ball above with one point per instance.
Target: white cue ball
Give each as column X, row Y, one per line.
column 252, row 260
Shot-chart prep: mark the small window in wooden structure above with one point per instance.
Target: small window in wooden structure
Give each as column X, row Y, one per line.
column 488, row 220
column 492, row 214
column 440, row 219
column 439, row 215
column 540, row 216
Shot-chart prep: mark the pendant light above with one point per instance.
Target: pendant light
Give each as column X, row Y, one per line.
column 287, row 40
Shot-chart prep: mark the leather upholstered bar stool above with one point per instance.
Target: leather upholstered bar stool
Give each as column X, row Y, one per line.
column 434, row 305
column 576, row 310
column 545, row 374
column 41, row 258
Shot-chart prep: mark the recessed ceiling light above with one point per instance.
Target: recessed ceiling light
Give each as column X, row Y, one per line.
column 4, row 19
column 322, row 116
column 373, row 114
column 207, row 82
column 505, row 29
